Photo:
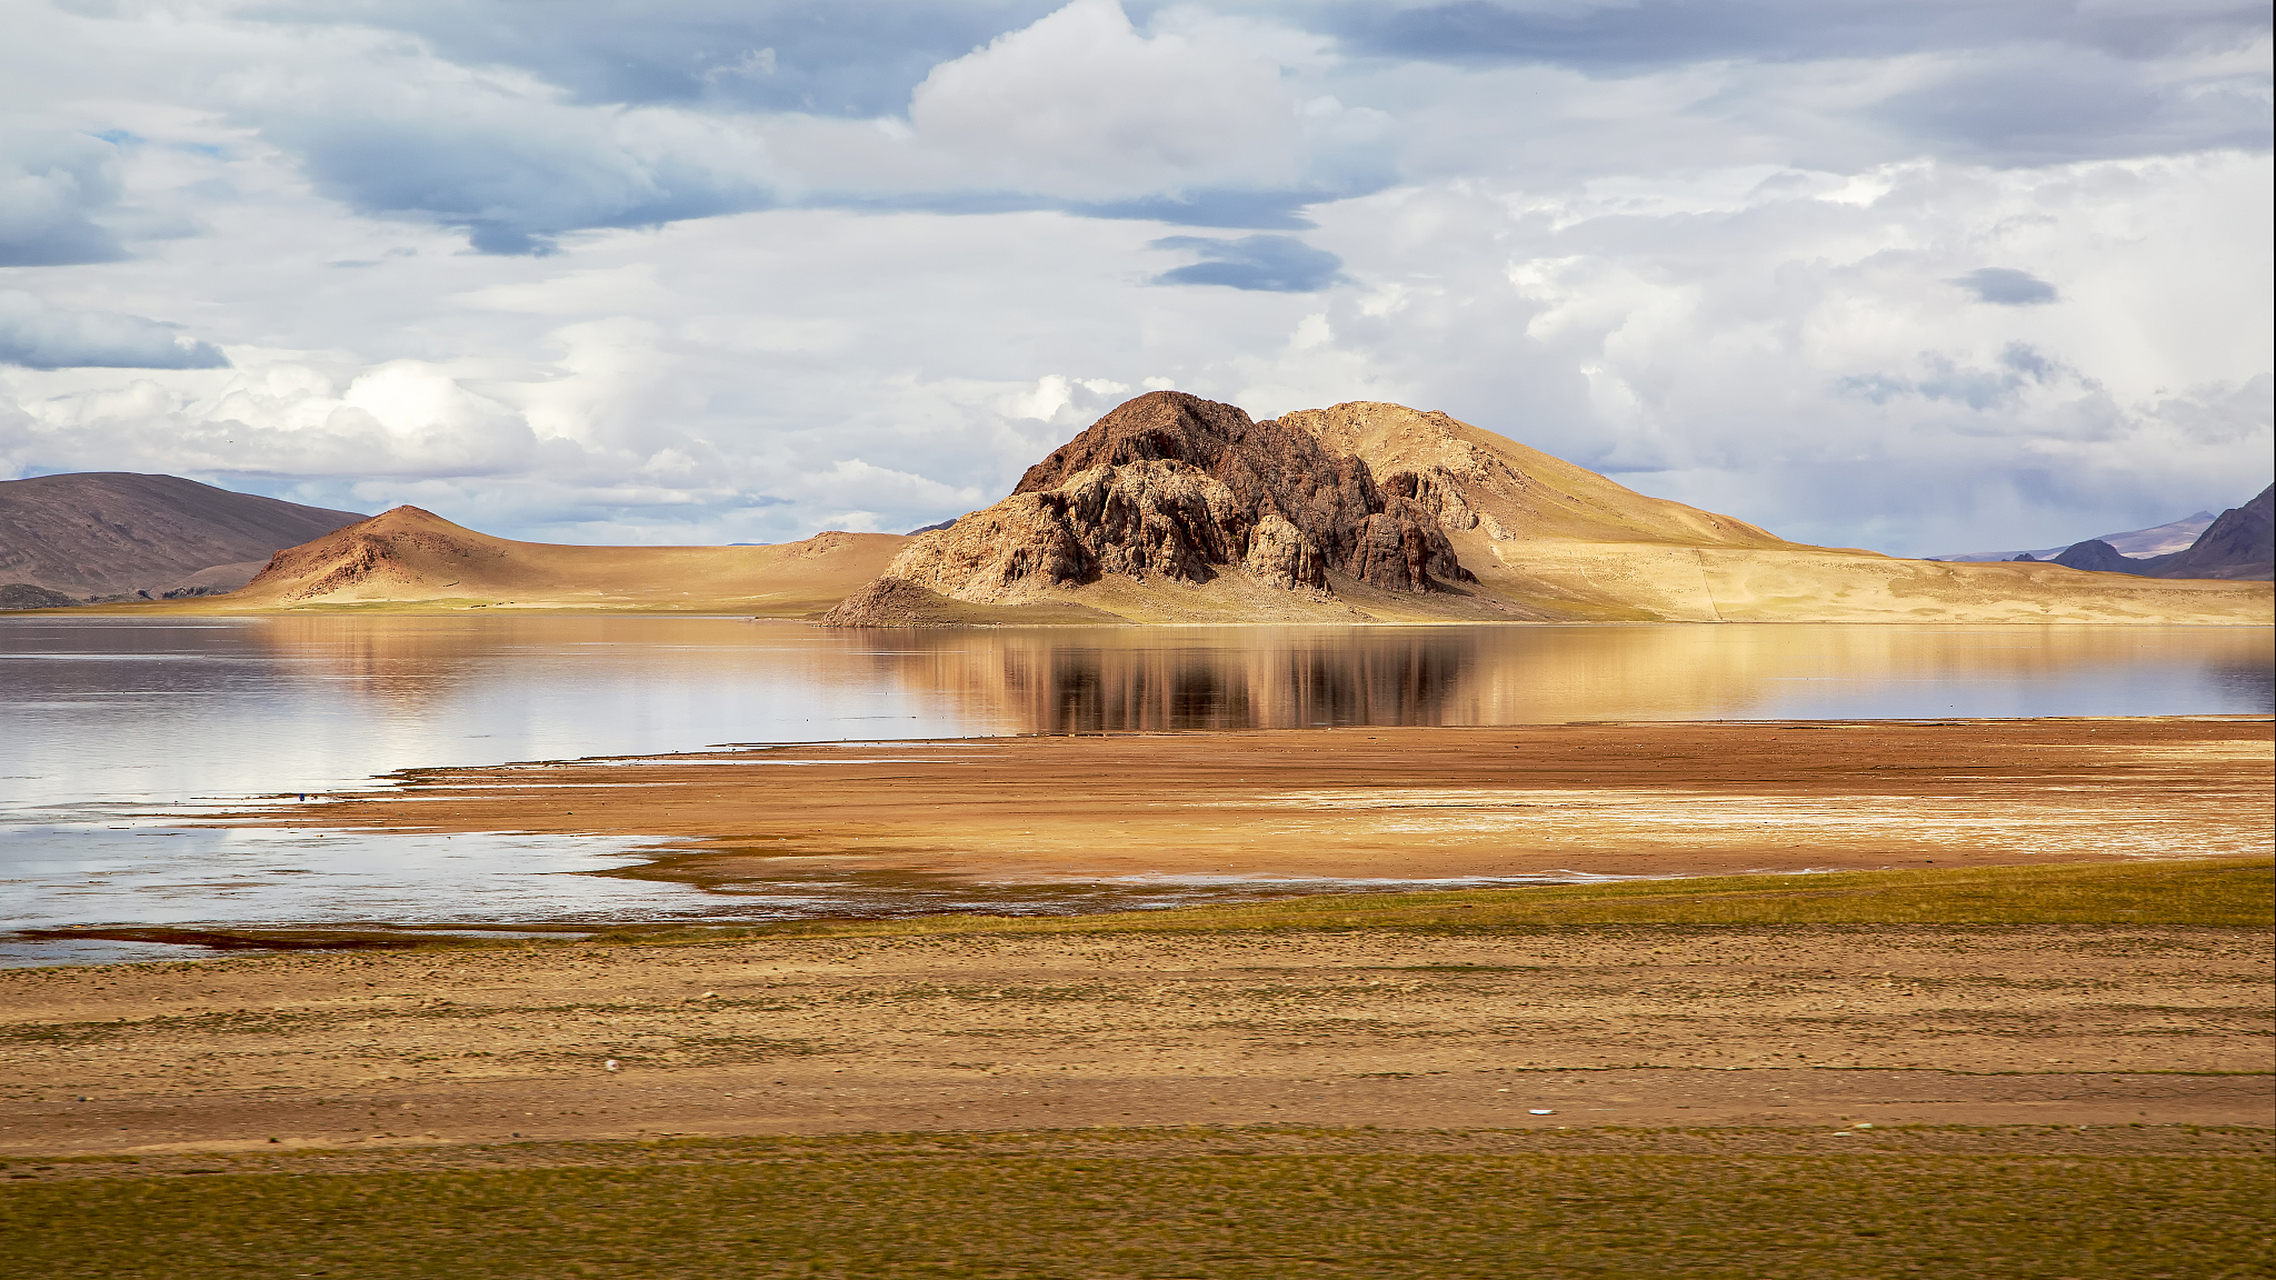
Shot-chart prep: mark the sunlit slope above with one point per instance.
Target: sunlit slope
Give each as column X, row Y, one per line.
column 1562, row 541
column 414, row 558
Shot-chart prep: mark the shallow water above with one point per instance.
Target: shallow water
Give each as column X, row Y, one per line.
column 115, row 730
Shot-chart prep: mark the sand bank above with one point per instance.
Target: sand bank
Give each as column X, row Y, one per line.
column 1395, row 804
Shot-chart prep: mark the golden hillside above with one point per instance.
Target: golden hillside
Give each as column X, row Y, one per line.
column 415, row 558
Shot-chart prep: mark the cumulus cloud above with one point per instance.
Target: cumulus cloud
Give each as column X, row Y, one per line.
column 2007, row 287
column 38, row 336
column 1272, row 264
column 52, row 184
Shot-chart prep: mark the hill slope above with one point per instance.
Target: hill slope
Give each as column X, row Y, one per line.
column 107, row 533
column 412, row 557
column 2240, row 545
column 1172, row 508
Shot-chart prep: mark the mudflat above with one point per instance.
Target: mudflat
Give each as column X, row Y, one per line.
column 1510, row 1027
column 1391, row 803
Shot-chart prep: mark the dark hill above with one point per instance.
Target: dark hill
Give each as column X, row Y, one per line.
column 116, row 533
column 2239, row 546
column 2096, row 556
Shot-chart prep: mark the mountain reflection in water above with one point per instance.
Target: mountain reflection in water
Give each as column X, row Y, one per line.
column 102, row 711
column 1247, row 678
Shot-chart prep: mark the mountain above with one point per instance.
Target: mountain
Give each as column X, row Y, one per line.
column 2097, row 556
column 1172, row 488
column 2137, row 544
column 116, row 533
column 2240, row 545
column 412, row 557
column 1175, row 509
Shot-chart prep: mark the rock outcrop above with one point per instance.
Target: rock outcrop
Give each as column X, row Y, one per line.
column 1171, row 486
column 27, row 595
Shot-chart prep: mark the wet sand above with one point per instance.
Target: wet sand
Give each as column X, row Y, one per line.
column 1397, row 804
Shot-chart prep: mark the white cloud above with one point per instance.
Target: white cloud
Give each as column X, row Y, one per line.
column 1082, row 105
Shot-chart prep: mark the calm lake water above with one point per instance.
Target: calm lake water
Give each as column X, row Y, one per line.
column 112, row 730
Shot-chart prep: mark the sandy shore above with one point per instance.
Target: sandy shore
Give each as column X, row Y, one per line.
column 1409, row 803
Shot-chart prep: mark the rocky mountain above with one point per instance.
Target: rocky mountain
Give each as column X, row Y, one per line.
column 409, row 556
column 119, row 534
column 1175, row 488
column 1175, row 509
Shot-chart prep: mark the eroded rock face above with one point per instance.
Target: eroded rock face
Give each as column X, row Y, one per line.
column 1175, row 486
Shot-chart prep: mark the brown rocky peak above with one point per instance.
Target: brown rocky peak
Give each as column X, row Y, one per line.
column 1160, row 426
column 1175, row 487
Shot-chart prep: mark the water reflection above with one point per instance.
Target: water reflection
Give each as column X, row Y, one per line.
column 107, row 711
column 1238, row 678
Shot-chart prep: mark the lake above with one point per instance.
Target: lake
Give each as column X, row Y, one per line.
column 115, row 732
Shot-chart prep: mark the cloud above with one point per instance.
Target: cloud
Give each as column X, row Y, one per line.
column 400, row 134
column 1650, row 33
column 844, row 58
column 2007, row 287
column 38, row 336
column 51, row 185
column 2018, row 368
column 1270, row 264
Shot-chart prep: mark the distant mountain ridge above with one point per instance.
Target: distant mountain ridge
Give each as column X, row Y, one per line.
column 2157, row 540
column 2238, row 545
column 122, row 534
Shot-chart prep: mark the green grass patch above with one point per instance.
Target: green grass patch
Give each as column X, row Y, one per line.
column 2229, row 892
column 1162, row 1205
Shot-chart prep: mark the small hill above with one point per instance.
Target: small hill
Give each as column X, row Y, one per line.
column 411, row 557
column 1173, row 508
column 117, row 533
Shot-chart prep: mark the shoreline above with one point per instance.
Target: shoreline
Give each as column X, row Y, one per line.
column 1609, row 799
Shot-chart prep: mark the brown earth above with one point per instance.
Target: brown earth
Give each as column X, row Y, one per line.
column 1403, row 803
column 1598, row 1026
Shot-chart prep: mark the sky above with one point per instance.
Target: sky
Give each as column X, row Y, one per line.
column 1923, row 276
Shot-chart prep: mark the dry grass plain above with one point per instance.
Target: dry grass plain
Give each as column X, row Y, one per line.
column 2060, row 1069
